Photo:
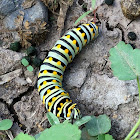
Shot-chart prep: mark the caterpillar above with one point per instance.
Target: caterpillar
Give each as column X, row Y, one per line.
column 50, row 76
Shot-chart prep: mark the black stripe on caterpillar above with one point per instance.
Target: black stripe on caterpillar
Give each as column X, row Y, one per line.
column 50, row 77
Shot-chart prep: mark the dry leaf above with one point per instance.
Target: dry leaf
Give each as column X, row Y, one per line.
column 19, row 20
column 28, row 3
column 26, row 25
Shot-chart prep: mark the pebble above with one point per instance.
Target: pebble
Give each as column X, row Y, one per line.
column 130, row 8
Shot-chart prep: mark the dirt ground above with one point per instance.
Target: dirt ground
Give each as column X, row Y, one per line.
column 88, row 79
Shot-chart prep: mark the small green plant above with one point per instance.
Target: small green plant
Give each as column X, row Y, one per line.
column 31, row 50
column 25, row 62
column 125, row 63
column 5, row 124
column 94, row 128
column 86, row 13
column 15, row 46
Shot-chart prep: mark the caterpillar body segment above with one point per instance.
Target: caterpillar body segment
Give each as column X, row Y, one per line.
column 50, row 77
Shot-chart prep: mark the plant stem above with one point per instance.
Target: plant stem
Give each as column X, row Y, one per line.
column 138, row 122
column 133, row 130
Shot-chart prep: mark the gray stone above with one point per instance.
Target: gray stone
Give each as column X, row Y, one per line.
column 9, row 60
column 4, row 112
column 8, row 6
column 37, row 11
column 12, row 89
column 30, row 111
column 107, row 92
column 9, row 76
column 130, row 8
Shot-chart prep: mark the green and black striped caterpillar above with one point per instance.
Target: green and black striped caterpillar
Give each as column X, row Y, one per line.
column 50, row 77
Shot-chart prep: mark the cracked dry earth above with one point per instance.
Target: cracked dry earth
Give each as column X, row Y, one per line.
column 88, row 78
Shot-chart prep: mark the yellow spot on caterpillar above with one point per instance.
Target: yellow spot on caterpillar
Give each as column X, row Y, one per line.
column 54, row 72
column 68, row 36
column 45, row 71
column 68, row 115
column 61, row 76
column 77, row 48
column 70, row 100
column 59, row 46
column 49, row 110
column 93, row 34
column 44, row 99
column 74, row 41
column 83, row 34
column 62, row 93
column 61, row 104
column 58, row 115
column 87, row 24
column 58, row 108
column 67, row 94
column 58, row 63
column 39, row 87
column 78, row 29
column 54, row 98
column 85, row 40
column 56, row 87
column 67, row 100
column 50, row 58
column 45, row 82
column 64, row 67
column 60, row 84
column 66, row 51
column 53, row 80
column 91, row 29
column 70, row 56
column 48, row 91
column 49, row 103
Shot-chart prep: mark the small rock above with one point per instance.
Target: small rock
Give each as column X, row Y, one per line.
column 28, row 80
column 9, row 76
column 9, row 60
column 4, row 112
column 132, row 36
column 130, row 8
column 8, row 6
column 38, row 11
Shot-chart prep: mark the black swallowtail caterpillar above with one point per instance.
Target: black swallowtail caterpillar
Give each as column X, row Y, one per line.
column 50, row 77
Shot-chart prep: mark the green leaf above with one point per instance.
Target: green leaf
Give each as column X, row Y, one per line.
column 5, row 124
column 125, row 62
column 81, row 17
column 30, row 68
column 37, row 136
column 108, row 137
column 22, row 136
column 52, row 118
column 24, row 62
column 61, row 131
column 83, row 120
column 98, row 125
column 105, row 137
column 93, row 3
column 86, row 136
